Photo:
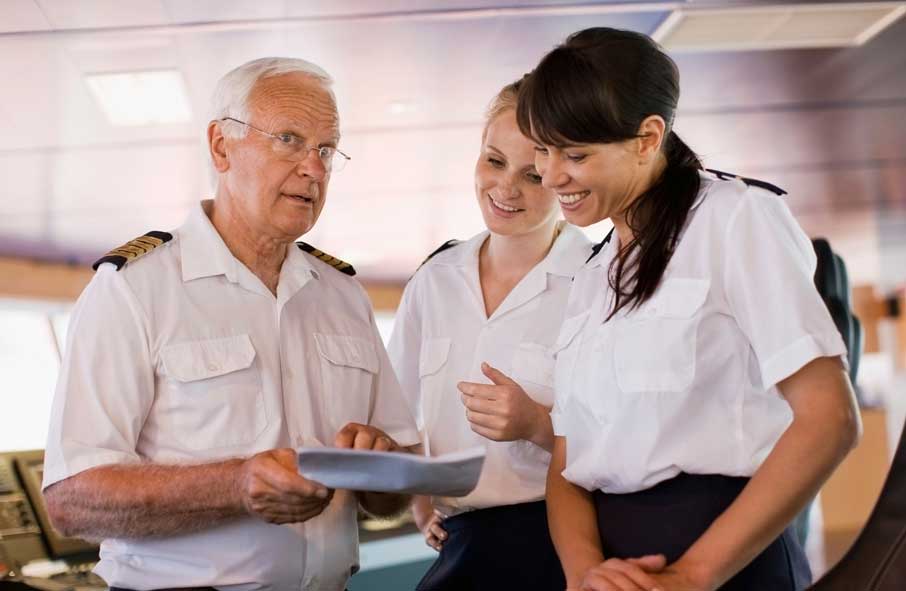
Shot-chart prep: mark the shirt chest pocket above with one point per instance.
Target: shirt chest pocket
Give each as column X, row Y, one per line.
column 566, row 352
column 348, row 369
column 655, row 345
column 533, row 369
column 213, row 396
column 432, row 366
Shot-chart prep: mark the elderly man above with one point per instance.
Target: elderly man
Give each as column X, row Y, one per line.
column 197, row 360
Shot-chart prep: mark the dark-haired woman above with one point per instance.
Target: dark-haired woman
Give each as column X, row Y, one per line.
column 701, row 391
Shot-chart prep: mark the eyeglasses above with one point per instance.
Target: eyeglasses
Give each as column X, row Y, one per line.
column 291, row 147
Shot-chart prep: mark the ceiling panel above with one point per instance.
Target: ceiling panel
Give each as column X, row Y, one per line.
column 825, row 124
column 98, row 14
column 21, row 15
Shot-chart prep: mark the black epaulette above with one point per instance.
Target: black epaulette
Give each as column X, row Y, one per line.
column 445, row 246
column 597, row 247
column 133, row 249
column 341, row 266
column 729, row 176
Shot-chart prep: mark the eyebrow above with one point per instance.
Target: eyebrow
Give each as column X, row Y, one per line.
column 496, row 149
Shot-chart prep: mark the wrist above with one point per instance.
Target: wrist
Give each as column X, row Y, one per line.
column 543, row 433
column 699, row 572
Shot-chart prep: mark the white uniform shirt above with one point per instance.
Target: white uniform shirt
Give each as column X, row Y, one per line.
column 184, row 356
column 441, row 336
column 687, row 382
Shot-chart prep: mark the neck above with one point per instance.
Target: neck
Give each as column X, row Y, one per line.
column 263, row 255
column 646, row 180
column 514, row 256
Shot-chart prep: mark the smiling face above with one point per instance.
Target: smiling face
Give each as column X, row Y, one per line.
column 593, row 181
column 279, row 198
column 507, row 186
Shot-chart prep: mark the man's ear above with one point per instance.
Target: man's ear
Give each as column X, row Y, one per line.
column 217, row 147
column 651, row 137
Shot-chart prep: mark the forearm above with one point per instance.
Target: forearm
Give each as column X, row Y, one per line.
column 801, row 461
column 572, row 520
column 131, row 501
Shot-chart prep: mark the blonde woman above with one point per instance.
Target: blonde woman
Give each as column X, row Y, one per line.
column 472, row 348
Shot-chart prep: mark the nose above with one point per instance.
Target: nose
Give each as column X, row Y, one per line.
column 312, row 166
column 552, row 173
column 508, row 188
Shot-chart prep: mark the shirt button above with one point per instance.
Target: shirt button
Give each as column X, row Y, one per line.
column 213, row 367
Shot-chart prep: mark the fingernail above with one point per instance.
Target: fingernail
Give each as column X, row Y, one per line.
column 321, row 493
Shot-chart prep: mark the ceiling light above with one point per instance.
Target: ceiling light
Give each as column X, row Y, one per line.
column 776, row 27
column 150, row 97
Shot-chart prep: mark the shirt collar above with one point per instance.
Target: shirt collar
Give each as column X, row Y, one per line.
column 202, row 250
column 204, row 253
column 565, row 258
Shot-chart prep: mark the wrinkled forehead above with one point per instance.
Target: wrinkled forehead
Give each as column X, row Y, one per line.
column 296, row 99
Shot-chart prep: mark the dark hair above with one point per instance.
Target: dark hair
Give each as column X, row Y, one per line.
column 598, row 87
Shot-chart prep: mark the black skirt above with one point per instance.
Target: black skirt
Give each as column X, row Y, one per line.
column 669, row 517
column 507, row 547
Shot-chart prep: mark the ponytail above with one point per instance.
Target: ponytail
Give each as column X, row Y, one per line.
column 656, row 219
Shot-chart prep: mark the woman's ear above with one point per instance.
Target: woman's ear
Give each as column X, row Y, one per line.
column 652, row 133
column 217, row 147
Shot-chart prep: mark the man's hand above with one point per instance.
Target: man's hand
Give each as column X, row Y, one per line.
column 271, row 489
column 429, row 521
column 366, row 437
column 502, row 411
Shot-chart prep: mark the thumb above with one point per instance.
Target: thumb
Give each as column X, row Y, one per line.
column 651, row 563
column 496, row 376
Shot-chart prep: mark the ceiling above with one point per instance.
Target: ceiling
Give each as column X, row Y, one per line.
column 412, row 80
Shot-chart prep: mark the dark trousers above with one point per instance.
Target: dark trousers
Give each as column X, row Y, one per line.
column 672, row 515
column 506, row 547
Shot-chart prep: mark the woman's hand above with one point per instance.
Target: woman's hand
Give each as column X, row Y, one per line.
column 429, row 520
column 648, row 573
column 502, row 411
column 633, row 574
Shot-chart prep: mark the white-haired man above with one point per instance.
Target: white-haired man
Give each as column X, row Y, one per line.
column 197, row 360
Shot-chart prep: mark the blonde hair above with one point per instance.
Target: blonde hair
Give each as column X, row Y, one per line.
column 505, row 100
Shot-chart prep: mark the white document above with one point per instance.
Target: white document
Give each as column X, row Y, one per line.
column 449, row 475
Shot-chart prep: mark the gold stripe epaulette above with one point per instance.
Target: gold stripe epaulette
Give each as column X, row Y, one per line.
column 339, row 265
column 133, row 249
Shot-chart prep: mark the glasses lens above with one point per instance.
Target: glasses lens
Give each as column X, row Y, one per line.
column 338, row 162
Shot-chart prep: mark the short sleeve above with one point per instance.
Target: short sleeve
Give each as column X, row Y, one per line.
column 106, row 383
column 391, row 414
column 768, row 278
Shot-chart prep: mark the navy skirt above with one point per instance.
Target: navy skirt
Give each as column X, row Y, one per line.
column 506, row 547
column 669, row 517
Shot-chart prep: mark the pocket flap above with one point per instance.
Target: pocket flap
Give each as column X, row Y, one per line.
column 199, row 360
column 348, row 351
column 676, row 298
column 432, row 356
column 569, row 329
column 535, row 363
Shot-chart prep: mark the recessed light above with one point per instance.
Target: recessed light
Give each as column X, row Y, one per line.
column 149, row 97
column 786, row 26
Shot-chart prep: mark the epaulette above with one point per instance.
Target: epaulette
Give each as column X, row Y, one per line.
column 134, row 249
column 341, row 266
column 445, row 246
column 597, row 247
column 728, row 176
